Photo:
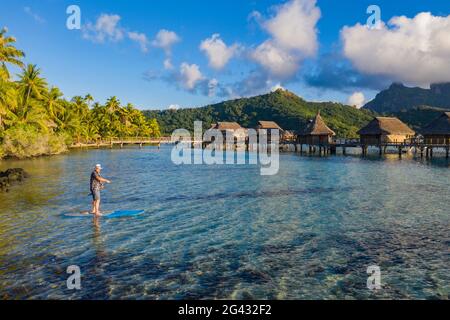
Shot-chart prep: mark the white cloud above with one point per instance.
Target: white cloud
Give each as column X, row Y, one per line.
column 294, row 26
column 276, row 87
column 165, row 39
column 168, row 64
column 34, row 15
column 187, row 77
column 280, row 63
column 293, row 38
column 217, row 51
column 212, row 86
column 141, row 39
column 190, row 75
column 357, row 100
column 174, row 107
column 105, row 28
column 411, row 50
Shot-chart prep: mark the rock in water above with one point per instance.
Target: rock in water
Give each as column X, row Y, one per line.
column 11, row 176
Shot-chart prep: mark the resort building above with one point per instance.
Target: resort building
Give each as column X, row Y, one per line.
column 232, row 128
column 316, row 133
column 385, row 130
column 268, row 126
column 288, row 136
column 438, row 131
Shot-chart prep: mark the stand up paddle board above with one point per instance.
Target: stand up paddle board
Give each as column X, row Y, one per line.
column 107, row 214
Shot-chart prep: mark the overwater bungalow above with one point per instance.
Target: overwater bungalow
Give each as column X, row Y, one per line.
column 268, row 126
column 233, row 128
column 438, row 131
column 316, row 133
column 385, row 130
column 289, row 136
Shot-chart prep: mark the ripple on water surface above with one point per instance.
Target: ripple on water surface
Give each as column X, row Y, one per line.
column 308, row 232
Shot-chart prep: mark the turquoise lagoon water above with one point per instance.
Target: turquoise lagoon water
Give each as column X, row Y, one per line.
column 215, row 232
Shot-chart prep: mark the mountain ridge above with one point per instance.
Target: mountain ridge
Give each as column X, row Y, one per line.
column 399, row 98
column 290, row 111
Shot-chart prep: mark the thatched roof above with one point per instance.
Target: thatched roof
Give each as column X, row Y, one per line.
column 317, row 127
column 268, row 125
column 440, row 126
column 226, row 126
column 386, row 125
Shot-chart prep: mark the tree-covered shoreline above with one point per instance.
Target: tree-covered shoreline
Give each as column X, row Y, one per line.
column 36, row 120
column 285, row 108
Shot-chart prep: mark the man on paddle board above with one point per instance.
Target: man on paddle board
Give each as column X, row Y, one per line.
column 96, row 185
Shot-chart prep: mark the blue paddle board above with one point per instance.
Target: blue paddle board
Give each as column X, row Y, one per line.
column 112, row 214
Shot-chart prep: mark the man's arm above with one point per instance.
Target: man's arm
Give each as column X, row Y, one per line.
column 100, row 179
column 104, row 180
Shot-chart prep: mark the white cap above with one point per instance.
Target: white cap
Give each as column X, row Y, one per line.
column 98, row 165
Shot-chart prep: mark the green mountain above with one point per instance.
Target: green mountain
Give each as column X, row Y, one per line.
column 288, row 110
column 398, row 98
column 419, row 117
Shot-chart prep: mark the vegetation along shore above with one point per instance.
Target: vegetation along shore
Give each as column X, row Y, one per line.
column 36, row 119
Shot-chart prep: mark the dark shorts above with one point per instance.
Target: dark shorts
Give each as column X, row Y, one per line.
column 95, row 195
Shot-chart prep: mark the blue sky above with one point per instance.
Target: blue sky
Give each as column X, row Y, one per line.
column 260, row 45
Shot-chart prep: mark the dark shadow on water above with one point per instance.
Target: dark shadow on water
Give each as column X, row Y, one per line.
column 437, row 161
column 257, row 194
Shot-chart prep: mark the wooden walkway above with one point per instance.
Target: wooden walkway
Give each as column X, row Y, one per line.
column 425, row 150
column 121, row 142
column 419, row 147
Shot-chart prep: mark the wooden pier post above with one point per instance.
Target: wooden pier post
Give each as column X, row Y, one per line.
column 344, row 151
column 431, row 152
column 447, row 151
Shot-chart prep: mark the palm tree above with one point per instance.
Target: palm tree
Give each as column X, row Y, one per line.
column 80, row 105
column 31, row 85
column 89, row 99
column 8, row 54
column 8, row 100
column 33, row 115
column 53, row 102
column 112, row 108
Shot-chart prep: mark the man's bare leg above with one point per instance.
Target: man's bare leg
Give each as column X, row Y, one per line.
column 93, row 207
column 97, row 208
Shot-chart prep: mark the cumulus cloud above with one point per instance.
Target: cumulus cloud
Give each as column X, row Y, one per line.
column 294, row 26
column 279, row 62
column 174, row 107
column 411, row 50
column 165, row 39
column 357, row 100
column 276, row 87
column 168, row 64
column 141, row 39
column 293, row 38
column 105, row 28
column 189, row 75
column 217, row 52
